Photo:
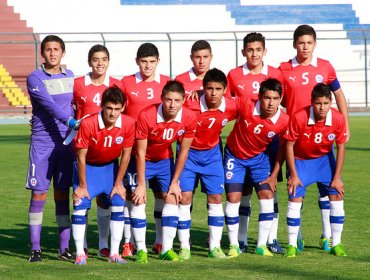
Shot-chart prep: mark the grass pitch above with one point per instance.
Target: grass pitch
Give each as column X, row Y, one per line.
column 313, row 263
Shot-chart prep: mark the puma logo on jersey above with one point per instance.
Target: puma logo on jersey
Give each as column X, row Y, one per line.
column 292, row 78
column 135, row 93
column 96, row 141
column 36, row 89
column 247, row 123
column 199, row 123
column 241, row 86
column 308, row 135
column 155, row 133
column 84, row 98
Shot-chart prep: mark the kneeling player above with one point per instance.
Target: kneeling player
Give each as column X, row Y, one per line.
column 257, row 125
column 310, row 137
column 101, row 140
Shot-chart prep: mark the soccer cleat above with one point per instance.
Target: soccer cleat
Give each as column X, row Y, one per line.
column 338, row 250
column 291, row 251
column 234, row 251
column 325, row 243
column 263, row 251
column 35, row 256
column 128, row 249
column 81, row 260
column 275, row 247
column 217, row 253
column 243, row 246
column 116, row 258
column 184, row 254
column 142, row 257
column 104, row 253
column 157, row 248
column 170, row 255
column 300, row 245
column 66, row 256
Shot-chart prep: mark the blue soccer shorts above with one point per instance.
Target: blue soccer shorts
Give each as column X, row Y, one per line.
column 207, row 166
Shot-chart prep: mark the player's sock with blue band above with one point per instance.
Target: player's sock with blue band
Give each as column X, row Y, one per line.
column 78, row 229
column 170, row 219
column 183, row 228
column 336, row 221
column 232, row 221
column 265, row 219
column 244, row 216
column 138, row 225
column 215, row 224
column 117, row 222
column 293, row 221
column 324, row 205
column 103, row 220
column 35, row 214
column 158, row 207
column 64, row 224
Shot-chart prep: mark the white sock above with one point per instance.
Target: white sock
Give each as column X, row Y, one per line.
column 325, row 216
column 138, row 226
column 158, row 207
column 103, row 220
column 275, row 221
column 170, row 217
column 78, row 229
column 293, row 220
column 244, row 216
column 183, row 228
column 127, row 228
column 337, row 221
column 215, row 224
column 232, row 221
column 87, row 225
column 265, row 220
column 117, row 223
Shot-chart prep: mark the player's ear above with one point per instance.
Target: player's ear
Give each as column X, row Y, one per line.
column 243, row 53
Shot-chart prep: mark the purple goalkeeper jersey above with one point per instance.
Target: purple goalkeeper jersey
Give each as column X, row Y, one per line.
column 52, row 99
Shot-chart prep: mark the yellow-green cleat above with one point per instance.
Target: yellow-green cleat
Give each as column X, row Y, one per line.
column 234, row 251
column 217, row 253
column 325, row 244
column 142, row 257
column 169, row 255
column 263, row 251
column 184, row 254
column 291, row 251
column 338, row 250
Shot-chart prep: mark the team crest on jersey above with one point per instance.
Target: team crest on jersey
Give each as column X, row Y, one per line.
column 181, row 132
column 319, row 78
column 270, row 134
column 229, row 175
column 33, row 182
column 331, row 136
column 224, row 122
column 78, row 202
column 119, row 140
column 70, row 84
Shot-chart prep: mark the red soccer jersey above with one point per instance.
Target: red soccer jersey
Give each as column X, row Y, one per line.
column 87, row 97
column 243, row 83
column 299, row 81
column 251, row 133
column 103, row 145
column 190, row 81
column 141, row 94
column 315, row 139
column 210, row 123
column 160, row 134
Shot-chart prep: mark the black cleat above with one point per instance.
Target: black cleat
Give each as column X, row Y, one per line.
column 66, row 256
column 35, row 256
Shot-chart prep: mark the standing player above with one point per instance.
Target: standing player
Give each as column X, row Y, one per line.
column 102, row 139
column 245, row 80
column 205, row 162
column 300, row 75
column 143, row 89
column 158, row 127
column 310, row 137
column 50, row 88
column 254, row 130
column 87, row 96
column 201, row 56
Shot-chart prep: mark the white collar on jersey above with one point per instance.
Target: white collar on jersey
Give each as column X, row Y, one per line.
column 88, row 80
column 204, row 107
column 264, row 69
column 192, row 74
column 257, row 112
column 139, row 79
column 101, row 122
column 295, row 62
column 328, row 120
column 160, row 117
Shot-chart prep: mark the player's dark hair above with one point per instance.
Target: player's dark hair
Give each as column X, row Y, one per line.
column 253, row 37
column 302, row 30
column 147, row 49
column 52, row 38
column 173, row 86
column 95, row 49
column 201, row 45
column 114, row 95
column 321, row 90
column 215, row 75
column 270, row 84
